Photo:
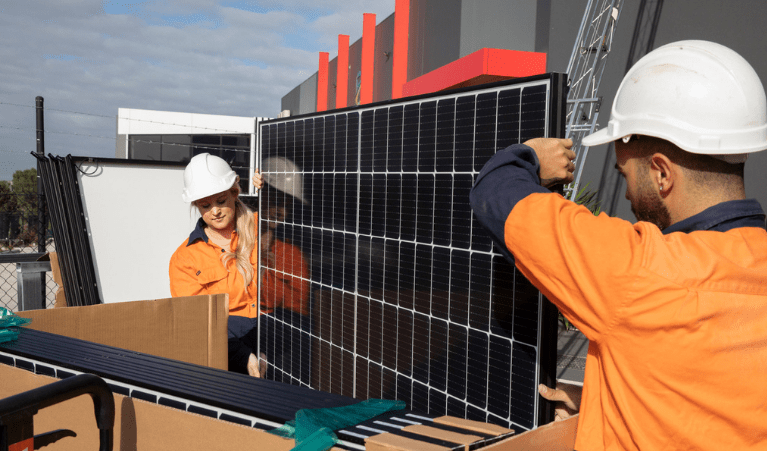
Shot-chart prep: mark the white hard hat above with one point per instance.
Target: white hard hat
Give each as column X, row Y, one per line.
column 701, row 96
column 284, row 175
column 206, row 175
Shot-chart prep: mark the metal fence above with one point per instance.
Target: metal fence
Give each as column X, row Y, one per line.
column 19, row 226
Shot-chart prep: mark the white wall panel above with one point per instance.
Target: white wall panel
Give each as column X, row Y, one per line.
column 136, row 220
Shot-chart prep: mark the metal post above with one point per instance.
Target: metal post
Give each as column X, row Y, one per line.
column 29, row 277
column 42, row 217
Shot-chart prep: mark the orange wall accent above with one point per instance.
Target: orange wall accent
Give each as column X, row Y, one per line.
column 342, row 72
column 399, row 62
column 368, row 54
column 482, row 66
column 322, row 83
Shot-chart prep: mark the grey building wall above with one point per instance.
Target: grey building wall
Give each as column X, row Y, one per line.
column 383, row 59
column 434, row 35
column 302, row 99
column 355, row 66
column 680, row 20
column 121, row 149
column 498, row 24
column 292, row 100
column 332, row 79
column 442, row 31
column 308, row 99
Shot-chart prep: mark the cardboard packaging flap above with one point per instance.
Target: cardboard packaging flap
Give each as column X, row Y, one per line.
column 192, row 329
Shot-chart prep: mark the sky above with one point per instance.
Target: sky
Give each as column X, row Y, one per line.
column 89, row 58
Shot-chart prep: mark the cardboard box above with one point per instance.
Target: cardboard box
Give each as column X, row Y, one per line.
column 556, row 436
column 191, row 329
column 60, row 298
column 139, row 425
column 433, row 437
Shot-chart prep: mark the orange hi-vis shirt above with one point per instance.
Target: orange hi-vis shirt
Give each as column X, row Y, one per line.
column 677, row 324
column 196, row 269
column 677, row 320
column 289, row 288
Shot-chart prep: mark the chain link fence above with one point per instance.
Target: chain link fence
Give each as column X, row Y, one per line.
column 19, row 225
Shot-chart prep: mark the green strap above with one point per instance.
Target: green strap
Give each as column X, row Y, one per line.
column 313, row 428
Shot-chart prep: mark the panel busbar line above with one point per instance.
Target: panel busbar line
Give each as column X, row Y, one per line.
column 408, row 298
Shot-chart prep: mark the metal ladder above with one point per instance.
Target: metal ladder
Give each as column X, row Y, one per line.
column 587, row 63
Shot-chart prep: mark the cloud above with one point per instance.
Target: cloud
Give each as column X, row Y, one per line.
column 218, row 57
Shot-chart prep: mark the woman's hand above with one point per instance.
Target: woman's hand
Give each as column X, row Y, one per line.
column 256, row 366
column 253, row 367
column 258, row 180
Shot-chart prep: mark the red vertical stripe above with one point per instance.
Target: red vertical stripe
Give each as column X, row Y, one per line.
column 368, row 53
column 399, row 62
column 322, row 83
column 342, row 74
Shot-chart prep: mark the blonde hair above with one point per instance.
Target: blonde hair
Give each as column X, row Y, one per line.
column 245, row 226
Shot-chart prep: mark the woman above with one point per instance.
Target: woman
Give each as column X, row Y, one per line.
column 221, row 256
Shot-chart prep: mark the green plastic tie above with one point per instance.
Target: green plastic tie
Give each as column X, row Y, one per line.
column 9, row 324
column 287, row 430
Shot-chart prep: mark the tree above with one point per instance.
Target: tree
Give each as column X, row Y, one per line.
column 7, row 198
column 25, row 188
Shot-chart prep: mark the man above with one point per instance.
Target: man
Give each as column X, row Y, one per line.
column 674, row 306
column 286, row 298
column 283, row 187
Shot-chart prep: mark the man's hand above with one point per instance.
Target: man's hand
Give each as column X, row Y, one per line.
column 556, row 159
column 258, row 180
column 567, row 398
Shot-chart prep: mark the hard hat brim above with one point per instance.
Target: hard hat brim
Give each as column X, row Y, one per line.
column 599, row 137
column 267, row 180
column 193, row 195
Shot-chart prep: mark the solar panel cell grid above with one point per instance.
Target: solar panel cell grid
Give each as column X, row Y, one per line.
column 408, row 298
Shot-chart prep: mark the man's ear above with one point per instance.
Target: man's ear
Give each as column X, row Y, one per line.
column 663, row 173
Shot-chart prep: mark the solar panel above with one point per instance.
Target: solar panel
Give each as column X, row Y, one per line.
column 407, row 297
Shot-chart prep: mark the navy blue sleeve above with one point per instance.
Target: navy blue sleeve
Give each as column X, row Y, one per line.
column 509, row 176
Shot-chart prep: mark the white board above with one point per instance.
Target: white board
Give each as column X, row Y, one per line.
column 136, row 220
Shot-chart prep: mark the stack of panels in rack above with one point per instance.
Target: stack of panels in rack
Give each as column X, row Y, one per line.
column 407, row 297
column 206, row 391
column 62, row 194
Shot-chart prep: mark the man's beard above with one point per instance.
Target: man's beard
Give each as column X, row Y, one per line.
column 648, row 205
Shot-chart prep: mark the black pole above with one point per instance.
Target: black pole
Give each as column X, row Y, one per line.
column 42, row 217
column 42, row 221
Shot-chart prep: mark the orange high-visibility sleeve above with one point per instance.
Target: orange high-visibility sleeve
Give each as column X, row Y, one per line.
column 565, row 263
column 288, row 284
column 183, row 280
